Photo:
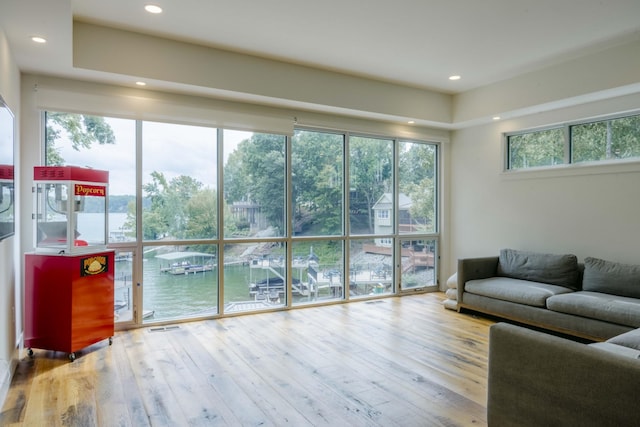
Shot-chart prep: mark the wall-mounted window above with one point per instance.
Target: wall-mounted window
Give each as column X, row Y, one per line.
column 616, row 138
column 606, row 140
column 540, row 148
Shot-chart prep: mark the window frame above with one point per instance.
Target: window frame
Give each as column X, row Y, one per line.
column 567, row 144
column 393, row 237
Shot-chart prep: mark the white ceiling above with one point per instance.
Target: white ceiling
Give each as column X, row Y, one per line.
column 412, row 42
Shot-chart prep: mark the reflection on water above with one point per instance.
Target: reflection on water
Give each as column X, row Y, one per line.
column 171, row 296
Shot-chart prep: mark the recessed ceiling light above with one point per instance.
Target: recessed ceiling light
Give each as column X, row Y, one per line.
column 141, row 83
column 454, row 77
column 152, row 8
column 411, row 122
column 496, row 117
column 38, row 39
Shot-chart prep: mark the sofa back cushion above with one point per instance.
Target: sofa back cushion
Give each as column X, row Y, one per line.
column 611, row 277
column 561, row 270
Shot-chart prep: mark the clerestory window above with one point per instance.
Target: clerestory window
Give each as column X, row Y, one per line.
column 616, row 138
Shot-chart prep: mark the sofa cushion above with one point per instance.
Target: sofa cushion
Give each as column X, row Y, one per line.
column 600, row 306
column 628, row 339
column 561, row 270
column 515, row 290
column 617, row 349
column 611, row 277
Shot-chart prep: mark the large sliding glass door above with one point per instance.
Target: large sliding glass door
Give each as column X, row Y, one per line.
column 371, row 213
column 417, row 215
column 179, row 221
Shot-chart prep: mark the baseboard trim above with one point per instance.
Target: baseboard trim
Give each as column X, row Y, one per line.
column 5, row 380
column 7, row 369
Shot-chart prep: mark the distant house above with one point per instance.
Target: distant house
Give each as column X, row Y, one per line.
column 250, row 212
column 383, row 216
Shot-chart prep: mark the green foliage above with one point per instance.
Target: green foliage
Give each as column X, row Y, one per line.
column 317, row 181
column 371, row 165
column 329, row 252
column 543, row 148
column 594, row 141
column 200, row 212
column 236, row 182
column 255, row 173
column 180, row 208
column 610, row 139
column 417, row 162
column 417, row 181
column 82, row 130
column 171, row 207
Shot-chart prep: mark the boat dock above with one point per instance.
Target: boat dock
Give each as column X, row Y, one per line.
column 186, row 262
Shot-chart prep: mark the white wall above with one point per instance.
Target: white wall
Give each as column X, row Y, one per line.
column 220, row 72
column 9, row 291
column 587, row 211
column 599, row 75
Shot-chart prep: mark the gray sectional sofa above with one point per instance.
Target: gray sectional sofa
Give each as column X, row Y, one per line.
column 596, row 300
column 537, row 379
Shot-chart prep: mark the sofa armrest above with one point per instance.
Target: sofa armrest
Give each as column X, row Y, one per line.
column 475, row 268
column 537, row 379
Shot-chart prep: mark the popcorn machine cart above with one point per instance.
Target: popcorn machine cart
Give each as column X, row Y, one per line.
column 69, row 279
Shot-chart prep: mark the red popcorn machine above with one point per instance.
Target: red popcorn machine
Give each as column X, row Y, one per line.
column 69, row 278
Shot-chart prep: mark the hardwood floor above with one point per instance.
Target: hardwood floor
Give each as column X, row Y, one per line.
column 392, row 362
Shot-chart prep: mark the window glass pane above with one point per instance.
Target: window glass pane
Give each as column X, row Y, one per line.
column 610, row 139
column 417, row 198
column 254, row 184
column 317, row 271
column 317, row 183
column 103, row 143
column 123, row 290
column 179, row 182
column 179, row 282
column 418, row 263
column 370, row 186
column 254, row 276
column 370, row 267
column 543, row 148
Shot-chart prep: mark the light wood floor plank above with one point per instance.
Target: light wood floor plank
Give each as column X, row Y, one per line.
column 402, row 361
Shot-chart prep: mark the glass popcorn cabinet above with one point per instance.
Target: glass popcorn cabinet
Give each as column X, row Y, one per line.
column 71, row 209
column 69, row 278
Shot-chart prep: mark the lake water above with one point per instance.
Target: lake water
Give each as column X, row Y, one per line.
column 179, row 296
column 170, row 296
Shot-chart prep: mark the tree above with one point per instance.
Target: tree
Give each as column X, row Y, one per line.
column 201, row 219
column 417, row 177
column 256, row 173
column 317, row 181
column 595, row 141
column 609, row 139
column 236, row 178
column 370, row 172
column 417, row 162
column 168, row 213
column 82, row 130
column 534, row 149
